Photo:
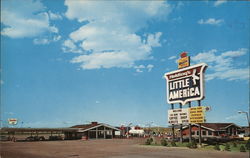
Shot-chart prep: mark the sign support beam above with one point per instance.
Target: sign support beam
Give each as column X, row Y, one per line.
column 190, row 127
column 181, row 134
column 199, row 104
column 172, row 107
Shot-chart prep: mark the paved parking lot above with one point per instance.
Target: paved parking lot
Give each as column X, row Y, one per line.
column 116, row 148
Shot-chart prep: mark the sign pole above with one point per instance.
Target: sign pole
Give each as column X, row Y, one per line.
column 199, row 104
column 172, row 107
column 181, row 134
column 190, row 126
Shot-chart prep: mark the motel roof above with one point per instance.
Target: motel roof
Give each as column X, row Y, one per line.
column 5, row 129
column 215, row 126
column 86, row 127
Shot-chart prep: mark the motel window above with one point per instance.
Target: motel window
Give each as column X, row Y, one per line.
column 204, row 133
column 210, row 133
column 109, row 132
column 197, row 133
column 101, row 128
column 192, row 133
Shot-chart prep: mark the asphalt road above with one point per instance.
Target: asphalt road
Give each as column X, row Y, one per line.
column 116, row 148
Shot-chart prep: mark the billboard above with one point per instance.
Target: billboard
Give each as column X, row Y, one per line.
column 178, row 116
column 186, row 84
column 187, row 115
column 183, row 62
column 197, row 114
column 12, row 121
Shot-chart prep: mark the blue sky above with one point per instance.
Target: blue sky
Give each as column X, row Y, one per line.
column 70, row 62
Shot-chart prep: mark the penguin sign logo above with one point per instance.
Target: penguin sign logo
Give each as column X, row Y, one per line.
column 186, row 84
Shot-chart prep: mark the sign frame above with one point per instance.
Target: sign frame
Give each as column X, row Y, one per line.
column 202, row 85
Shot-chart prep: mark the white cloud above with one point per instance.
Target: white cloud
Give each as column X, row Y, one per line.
column 25, row 19
column 237, row 53
column 222, row 65
column 41, row 41
column 97, row 102
column 211, row 21
column 44, row 41
column 153, row 39
column 219, row 2
column 69, row 46
column 150, row 67
column 109, row 39
column 9, row 113
column 54, row 16
column 172, row 57
column 231, row 74
column 179, row 5
column 235, row 118
column 140, row 68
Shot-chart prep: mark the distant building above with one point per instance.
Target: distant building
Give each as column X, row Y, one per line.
column 245, row 130
column 136, row 131
column 94, row 130
column 214, row 130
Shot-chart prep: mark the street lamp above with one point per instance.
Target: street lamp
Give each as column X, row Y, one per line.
column 150, row 132
column 128, row 129
column 244, row 112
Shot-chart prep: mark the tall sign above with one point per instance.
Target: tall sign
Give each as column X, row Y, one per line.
column 186, row 84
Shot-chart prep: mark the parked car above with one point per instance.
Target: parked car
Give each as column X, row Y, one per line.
column 4, row 138
column 35, row 138
column 56, row 138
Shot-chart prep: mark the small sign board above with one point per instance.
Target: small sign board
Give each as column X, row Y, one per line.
column 183, row 62
column 207, row 108
column 197, row 114
column 186, row 84
column 12, row 121
column 178, row 116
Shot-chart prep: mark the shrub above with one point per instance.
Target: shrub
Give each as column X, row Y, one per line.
column 189, row 145
column 234, row 144
column 242, row 148
column 248, row 145
column 151, row 140
column 173, row 143
column 164, row 142
column 192, row 145
column 148, row 142
column 227, row 148
column 217, row 147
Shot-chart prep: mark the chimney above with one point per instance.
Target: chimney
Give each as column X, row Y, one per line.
column 94, row 123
